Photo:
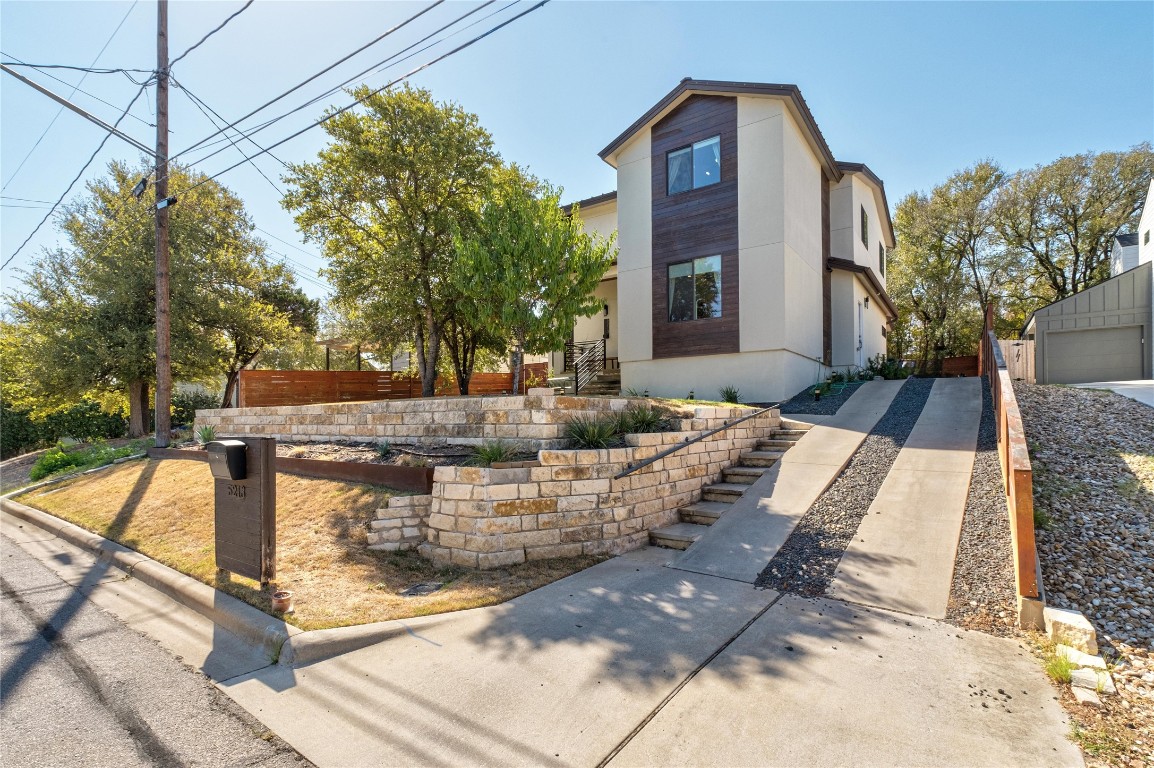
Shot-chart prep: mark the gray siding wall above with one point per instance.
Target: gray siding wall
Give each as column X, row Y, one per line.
column 1125, row 300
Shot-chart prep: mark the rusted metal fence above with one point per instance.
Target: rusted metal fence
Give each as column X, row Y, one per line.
column 1017, row 478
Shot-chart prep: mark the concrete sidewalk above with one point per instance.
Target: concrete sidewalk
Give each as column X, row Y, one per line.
column 902, row 557
column 748, row 535
column 1141, row 390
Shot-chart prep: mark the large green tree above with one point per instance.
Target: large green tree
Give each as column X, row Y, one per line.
column 530, row 267
column 87, row 315
column 383, row 199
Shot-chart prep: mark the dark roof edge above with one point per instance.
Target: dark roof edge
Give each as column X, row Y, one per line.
column 1128, row 239
column 721, row 87
column 845, row 264
column 595, row 200
column 864, row 170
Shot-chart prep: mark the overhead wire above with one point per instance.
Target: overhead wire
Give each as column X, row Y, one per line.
column 376, row 91
column 211, row 32
column 71, row 184
column 52, row 122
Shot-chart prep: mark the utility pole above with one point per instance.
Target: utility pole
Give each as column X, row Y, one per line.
column 163, row 360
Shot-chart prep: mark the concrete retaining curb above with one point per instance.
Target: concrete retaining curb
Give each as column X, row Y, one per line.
column 283, row 643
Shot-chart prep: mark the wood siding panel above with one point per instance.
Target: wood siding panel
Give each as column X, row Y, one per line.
column 700, row 222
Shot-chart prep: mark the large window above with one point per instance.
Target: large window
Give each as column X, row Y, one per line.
column 698, row 165
column 695, row 289
column 865, row 228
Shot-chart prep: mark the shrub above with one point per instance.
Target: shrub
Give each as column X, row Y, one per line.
column 491, row 452
column 730, row 394
column 206, row 434
column 591, row 431
column 55, row 460
column 18, row 433
column 642, row 417
column 384, row 448
column 83, row 421
column 887, row 368
column 186, row 404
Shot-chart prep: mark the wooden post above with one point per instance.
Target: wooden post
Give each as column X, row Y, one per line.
column 163, row 361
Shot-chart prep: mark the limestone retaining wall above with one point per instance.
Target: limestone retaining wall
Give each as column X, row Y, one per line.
column 537, row 421
column 571, row 505
column 401, row 525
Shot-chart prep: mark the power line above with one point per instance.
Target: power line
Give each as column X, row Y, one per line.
column 71, row 184
column 369, row 95
column 76, row 90
column 390, row 60
column 24, row 199
column 290, row 245
column 311, row 78
column 88, row 70
column 52, row 122
column 221, row 26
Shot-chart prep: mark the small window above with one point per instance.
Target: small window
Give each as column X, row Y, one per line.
column 695, row 289
column 695, row 166
column 882, row 259
column 865, row 228
column 1146, row 237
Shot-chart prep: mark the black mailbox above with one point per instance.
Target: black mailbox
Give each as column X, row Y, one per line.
column 228, row 459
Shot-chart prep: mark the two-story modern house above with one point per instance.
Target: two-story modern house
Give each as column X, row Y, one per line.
column 749, row 256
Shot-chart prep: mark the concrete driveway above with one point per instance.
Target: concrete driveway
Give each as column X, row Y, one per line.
column 1141, row 390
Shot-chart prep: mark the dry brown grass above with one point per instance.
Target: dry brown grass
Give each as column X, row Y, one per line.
column 164, row 509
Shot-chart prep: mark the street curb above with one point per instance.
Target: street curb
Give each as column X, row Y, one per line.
column 283, row 643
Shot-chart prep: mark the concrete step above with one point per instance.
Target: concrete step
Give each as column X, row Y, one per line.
column 788, row 434
column 704, row 512
column 676, row 536
column 791, row 424
column 761, row 458
column 723, row 492
column 775, row 444
column 743, row 475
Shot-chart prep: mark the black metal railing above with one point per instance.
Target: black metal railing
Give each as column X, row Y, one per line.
column 590, row 363
column 574, row 350
column 688, row 442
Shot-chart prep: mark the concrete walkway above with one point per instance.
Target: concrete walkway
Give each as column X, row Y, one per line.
column 1141, row 390
column 903, row 555
column 744, row 539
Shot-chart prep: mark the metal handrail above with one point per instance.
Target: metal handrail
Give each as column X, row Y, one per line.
column 688, row 442
column 586, row 367
column 574, row 349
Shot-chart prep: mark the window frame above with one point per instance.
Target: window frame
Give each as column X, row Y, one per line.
column 693, row 275
column 865, row 227
column 882, row 257
column 691, row 149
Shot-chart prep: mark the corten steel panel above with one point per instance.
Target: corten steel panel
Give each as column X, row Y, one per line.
column 699, row 222
column 245, row 516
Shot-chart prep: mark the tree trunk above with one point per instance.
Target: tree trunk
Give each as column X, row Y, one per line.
column 138, row 408
column 518, row 364
column 229, row 385
column 428, row 350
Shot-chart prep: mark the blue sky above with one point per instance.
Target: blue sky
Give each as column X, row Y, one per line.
column 914, row 89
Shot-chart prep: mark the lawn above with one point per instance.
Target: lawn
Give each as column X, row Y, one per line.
column 164, row 509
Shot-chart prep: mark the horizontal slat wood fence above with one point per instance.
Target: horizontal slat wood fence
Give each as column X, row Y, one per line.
column 271, row 388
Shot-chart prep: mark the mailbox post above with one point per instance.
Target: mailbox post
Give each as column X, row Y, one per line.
column 244, row 471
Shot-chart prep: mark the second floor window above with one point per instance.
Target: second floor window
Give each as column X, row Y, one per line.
column 697, row 165
column 695, row 289
column 882, row 258
column 865, row 228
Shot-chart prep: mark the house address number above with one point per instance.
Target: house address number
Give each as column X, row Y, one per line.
column 236, row 491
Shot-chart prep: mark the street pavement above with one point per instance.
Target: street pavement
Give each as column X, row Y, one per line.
column 79, row 688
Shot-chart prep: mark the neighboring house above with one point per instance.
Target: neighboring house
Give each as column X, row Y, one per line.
column 1104, row 332
column 1124, row 254
column 748, row 256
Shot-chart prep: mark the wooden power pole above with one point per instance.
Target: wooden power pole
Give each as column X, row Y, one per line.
column 163, row 359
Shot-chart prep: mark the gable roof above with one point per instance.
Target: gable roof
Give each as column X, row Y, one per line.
column 1127, row 240
column 590, row 201
column 689, row 87
column 879, row 187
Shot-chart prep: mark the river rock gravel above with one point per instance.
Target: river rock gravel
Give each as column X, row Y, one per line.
column 806, row 562
column 1093, row 460
column 982, row 591
column 828, row 405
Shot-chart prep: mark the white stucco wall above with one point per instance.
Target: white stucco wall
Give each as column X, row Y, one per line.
column 600, row 218
column 1146, row 229
column 761, row 376
column 848, row 292
column 803, row 236
column 593, row 327
column 635, row 243
column 846, row 200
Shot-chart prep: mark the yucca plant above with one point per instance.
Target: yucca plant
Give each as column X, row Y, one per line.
column 730, row 394
column 205, row 434
column 642, row 417
column 492, row 452
column 591, row 431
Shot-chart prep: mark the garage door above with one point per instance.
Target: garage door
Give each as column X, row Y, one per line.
column 1099, row 354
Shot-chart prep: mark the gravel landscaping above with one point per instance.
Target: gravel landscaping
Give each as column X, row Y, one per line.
column 805, row 564
column 982, row 593
column 803, row 401
column 1093, row 461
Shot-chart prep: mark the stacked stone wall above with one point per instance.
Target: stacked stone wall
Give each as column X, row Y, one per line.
column 572, row 505
column 402, row 525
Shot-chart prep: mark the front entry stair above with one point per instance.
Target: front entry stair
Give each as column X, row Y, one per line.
column 716, row 499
